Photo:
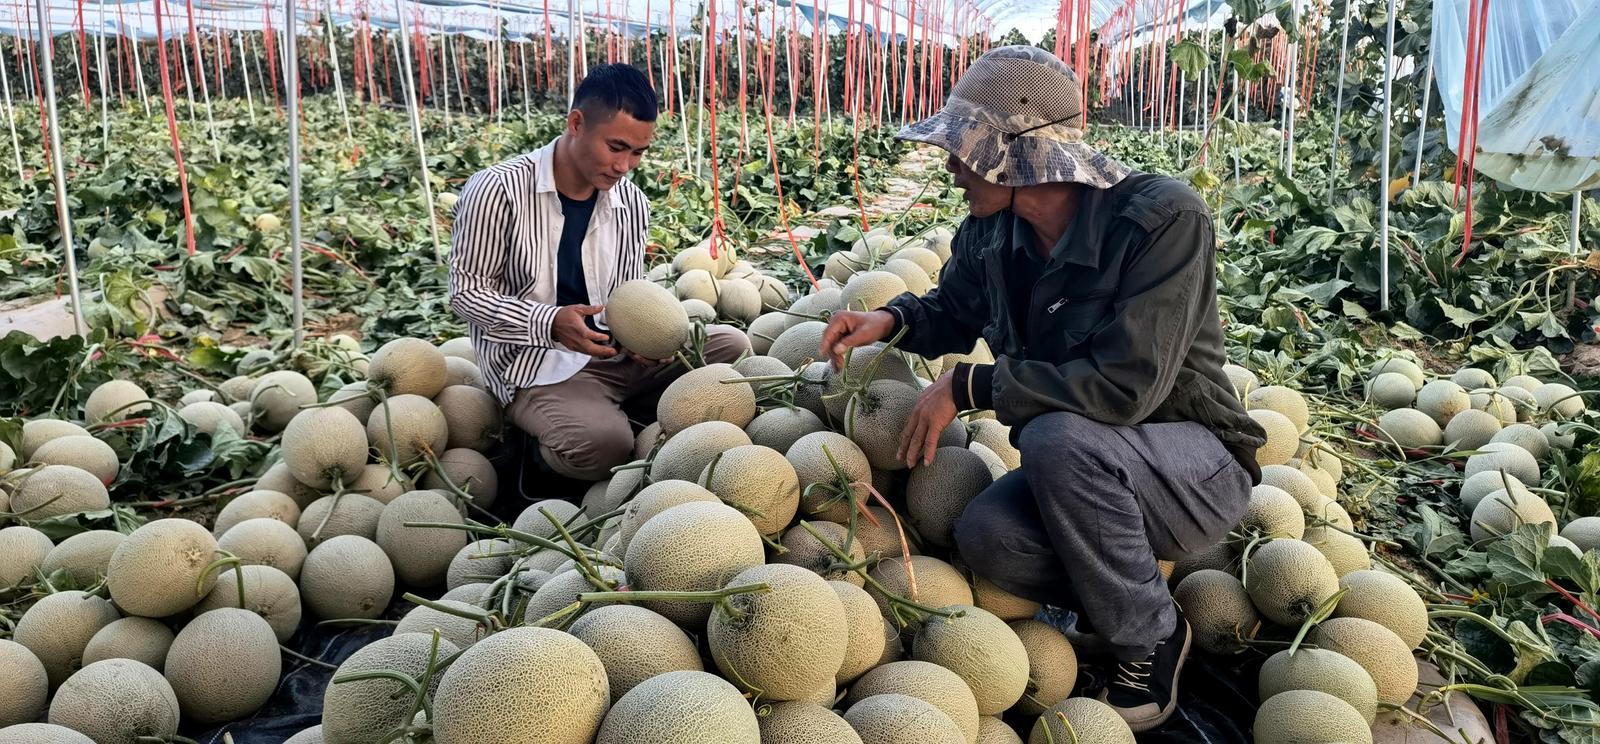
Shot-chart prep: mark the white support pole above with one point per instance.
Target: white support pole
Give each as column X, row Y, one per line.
column 522, row 52
column 138, row 67
column 1422, row 118
column 416, row 129
column 291, row 84
column 572, row 50
column 100, row 65
column 244, row 74
column 1572, row 236
column 1291, row 100
column 444, row 77
column 58, row 173
column 1338, row 99
column 700, row 93
column 1383, row 167
column 338, row 77
column 11, row 122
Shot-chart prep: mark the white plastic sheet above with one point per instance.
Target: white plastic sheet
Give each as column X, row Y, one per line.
column 1539, row 104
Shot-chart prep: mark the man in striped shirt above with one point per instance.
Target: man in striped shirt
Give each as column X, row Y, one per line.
column 540, row 242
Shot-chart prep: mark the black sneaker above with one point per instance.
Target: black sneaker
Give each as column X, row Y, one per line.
column 1145, row 693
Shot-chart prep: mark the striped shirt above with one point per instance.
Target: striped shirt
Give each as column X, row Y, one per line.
column 503, row 266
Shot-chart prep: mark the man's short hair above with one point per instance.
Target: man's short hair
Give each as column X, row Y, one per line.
column 608, row 89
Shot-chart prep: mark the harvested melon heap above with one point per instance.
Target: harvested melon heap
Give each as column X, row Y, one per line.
column 765, row 572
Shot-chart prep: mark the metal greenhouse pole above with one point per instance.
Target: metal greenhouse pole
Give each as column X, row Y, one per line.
column 338, row 76
column 1338, row 99
column 1383, row 170
column 58, row 173
column 1572, row 233
column 572, row 50
column 11, row 122
column 1422, row 119
column 416, row 128
column 291, row 82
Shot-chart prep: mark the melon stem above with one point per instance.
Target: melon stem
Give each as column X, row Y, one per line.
column 860, row 570
column 226, row 560
column 590, row 573
column 393, row 459
column 461, row 496
column 482, row 617
column 307, row 659
column 672, row 596
column 501, row 532
column 1317, row 616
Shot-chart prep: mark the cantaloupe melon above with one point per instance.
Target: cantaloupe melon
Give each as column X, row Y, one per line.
column 901, row 719
column 1377, row 649
column 1391, row 390
column 1346, row 553
column 83, row 452
column 779, row 428
column 810, row 456
column 479, row 561
column 1521, row 400
column 1400, row 365
column 343, row 514
column 937, row 494
column 1052, row 667
column 864, row 647
column 356, row 399
column 814, row 383
column 138, row 638
column 236, row 389
column 1502, row 512
column 1441, row 400
column 1001, row 603
column 685, row 456
column 421, row 555
column 928, row 260
column 268, row 592
column 41, row 733
column 709, row 393
column 682, row 707
column 1515, row 461
column 278, row 478
column 533, row 519
column 804, row 550
column 470, row 471
column 764, row 330
column 459, row 631
column 997, row 437
column 462, row 372
column 656, row 498
column 24, row 685
column 992, row 730
column 522, row 686
column 1289, row 579
column 696, row 284
column 1473, row 378
column 1471, row 429
column 782, row 644
column 1493, row 403
column 562, row 589
column 758, row 365
column 37, row 432
column 738, row 300
column 1220, row 556
column 799, row 344
column 699, row 257
column 691, row 547
column 774, row 293
column 1284, row 400
column 841, row 266
column 418, row 426
column 1558, row 401
column 1525, row 436
column 347, row 577
column 998, row 676
column 1283, row 438
column 369, row 709
column 1298, row 716
column 917, row 279
column 1090, row 721
column 277, row 398
column 407, row 366
column 1241, row 380
column 1559, row 436
column 1272, row 512
column 939, row 240
column 1321, row 670
column 472, row 417
column 116, row 701
column 459, row 347
column 54, row 490
column 870, row 290
column 1295, row 483
column 1411, row 428
column 311, row 735
column 115, row 400
column 84, row 556
column 1584, row 532
column 223, row 665
column 938, row 584
column 635, row 645
column 58, row 627
column 1386, row 600
column 795, row 722
column 22, row 554
column 156, row 570
column 1526, row 382
column 209, row 416
column 1218, row 609
column 266, row 542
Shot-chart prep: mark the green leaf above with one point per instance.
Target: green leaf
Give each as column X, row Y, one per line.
column 1459, row 316
column 1189, row 57
column 1516, row 561
column 1354, row 310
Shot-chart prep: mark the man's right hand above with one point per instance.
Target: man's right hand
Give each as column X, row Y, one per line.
column 850, row 329
column 569, row 329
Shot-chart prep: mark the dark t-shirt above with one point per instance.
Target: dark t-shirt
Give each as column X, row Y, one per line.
column 571, row 288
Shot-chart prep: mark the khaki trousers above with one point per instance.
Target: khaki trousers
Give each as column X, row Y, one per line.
column 579, row 422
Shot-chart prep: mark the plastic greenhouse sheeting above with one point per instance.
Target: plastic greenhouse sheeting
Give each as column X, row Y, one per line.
column 1539, row 104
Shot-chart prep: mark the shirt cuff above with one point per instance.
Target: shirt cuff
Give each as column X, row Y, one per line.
column 973, row 386
column 899, row 319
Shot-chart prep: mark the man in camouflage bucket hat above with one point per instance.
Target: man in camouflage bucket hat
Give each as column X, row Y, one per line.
column 1094, row 287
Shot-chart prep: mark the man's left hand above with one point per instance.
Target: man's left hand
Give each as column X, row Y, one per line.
column 935, row 409
column 647, row 362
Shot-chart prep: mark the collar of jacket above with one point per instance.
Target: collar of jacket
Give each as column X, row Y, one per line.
column 545, row 178
column 1080, row 244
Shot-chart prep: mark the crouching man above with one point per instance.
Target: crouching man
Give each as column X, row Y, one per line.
column 540, row 242
column 1095, row 288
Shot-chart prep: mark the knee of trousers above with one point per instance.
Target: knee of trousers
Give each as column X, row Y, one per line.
column 979, row 538
column 725, row 343
column 1060, row 442
column 593, row 454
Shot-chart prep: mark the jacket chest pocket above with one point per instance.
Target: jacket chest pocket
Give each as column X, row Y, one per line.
column 1070, row 319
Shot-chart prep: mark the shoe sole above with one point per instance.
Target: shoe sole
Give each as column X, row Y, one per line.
column 1146, row 724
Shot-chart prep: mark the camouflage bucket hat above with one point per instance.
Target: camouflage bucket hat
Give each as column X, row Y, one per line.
column 1016, row 118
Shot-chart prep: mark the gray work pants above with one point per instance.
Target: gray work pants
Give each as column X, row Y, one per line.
column 1081, row 524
